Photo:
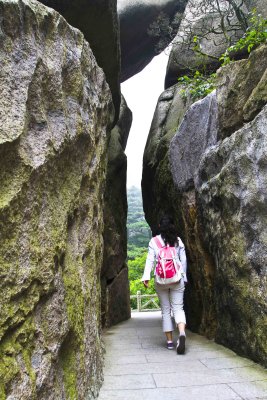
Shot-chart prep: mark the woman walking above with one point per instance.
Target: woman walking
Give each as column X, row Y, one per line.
column 171, row 295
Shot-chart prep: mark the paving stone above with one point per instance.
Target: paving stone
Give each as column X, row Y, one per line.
column 121, row 395
column 151, row 343
column 250, row 390
column 207, row 377
column 228, row 362
column 191, row 355
column 128, row 382
column 252, row 373
column 139, row 350
column 116, row 347
column 256, row 398
column 129, row 369
column 210, row 392
column 121, row 359
column 122, row 341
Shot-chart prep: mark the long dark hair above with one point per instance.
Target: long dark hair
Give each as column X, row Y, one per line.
column 168, row 231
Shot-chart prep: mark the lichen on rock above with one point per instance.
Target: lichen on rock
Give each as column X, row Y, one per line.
column 55, row 112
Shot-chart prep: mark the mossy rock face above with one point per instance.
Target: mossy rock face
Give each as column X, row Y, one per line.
column 54, row 112
column 183, row 59
column 232, row 205
column 114, row 273
column 260, row 5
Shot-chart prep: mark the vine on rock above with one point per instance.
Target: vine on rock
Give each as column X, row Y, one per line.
column 200, row 84
column 255, row 35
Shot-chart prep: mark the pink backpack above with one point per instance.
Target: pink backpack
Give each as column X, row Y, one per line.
column 168, row 267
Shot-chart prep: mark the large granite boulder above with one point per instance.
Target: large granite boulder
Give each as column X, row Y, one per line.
column 215, row 186
column 199, row 19
column 242, row 90
column 55, row 110
column 259, row 5
column 232, row 196
column 168, row 115
column 114, row 274
column 164, row 193
column 99, row 23
column 145, row 24
column 196, row 133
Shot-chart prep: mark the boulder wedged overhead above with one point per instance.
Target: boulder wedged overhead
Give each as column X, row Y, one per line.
column 145, row 24
column 55, row 113
column 114, row 273
column 98, row 21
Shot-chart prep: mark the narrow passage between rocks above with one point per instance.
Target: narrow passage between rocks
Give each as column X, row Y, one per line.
column 139, row 367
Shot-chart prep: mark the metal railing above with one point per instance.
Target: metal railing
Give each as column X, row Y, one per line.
column 143, row 307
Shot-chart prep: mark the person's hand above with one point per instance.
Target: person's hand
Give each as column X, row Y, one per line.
column 146, row 284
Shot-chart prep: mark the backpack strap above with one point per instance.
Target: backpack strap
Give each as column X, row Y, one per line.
column 158, row 242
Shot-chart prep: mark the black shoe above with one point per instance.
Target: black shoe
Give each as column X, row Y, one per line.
column 180, row 348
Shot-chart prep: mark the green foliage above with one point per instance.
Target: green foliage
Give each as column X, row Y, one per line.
column 253, row 37
column 134, row 251
column 136, row 268
column 139, row 235
column 138, row 230
column 198, row 86
column 137, row 285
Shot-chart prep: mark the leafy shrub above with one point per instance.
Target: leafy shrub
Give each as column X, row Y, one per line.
column 136, row 269
column 198, row 86
column 253, row 37
column 133, row 251
column 139, row 235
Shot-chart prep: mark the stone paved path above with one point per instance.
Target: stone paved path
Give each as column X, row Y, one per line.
column 138, row 367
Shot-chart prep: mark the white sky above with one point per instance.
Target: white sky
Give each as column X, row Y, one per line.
column 141, row 93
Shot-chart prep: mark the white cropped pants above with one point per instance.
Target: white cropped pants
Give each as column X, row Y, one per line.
column 171, row 299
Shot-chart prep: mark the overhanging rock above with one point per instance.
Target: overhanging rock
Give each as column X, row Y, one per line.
column 137, row 18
